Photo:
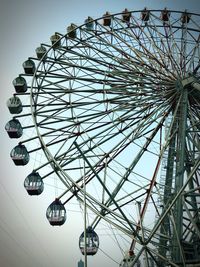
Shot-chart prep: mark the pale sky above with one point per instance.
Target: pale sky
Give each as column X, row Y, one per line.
column 26, row 238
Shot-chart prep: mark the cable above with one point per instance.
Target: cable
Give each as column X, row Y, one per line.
column 26, row 223
column 11, row 236
column 108, row 256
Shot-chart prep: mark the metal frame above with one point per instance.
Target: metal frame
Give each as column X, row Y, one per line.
column 101, row 98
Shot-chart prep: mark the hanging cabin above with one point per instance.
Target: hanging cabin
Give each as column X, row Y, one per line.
column 126, row 16
column 71, row 31
column 145, row 14
column 29, row 67
column 34, row 184
column 14, row 105
column 41, row 52
column 20, row 155
column 92, row 242
column 20, row 84
column 56, row 213
column 107, row 19
column 165, row 14
column 185, row 17
column 89, row 23
column 14, row 128
column 55, row 40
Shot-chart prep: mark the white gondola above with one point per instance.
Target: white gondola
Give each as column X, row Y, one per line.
column 20, row 84
column 92, row 242
column 29, row 66
column 14, row 128
column 56, row 213
column 71, row 31
column 41, row 52
column 14, row 105
column 20, row 155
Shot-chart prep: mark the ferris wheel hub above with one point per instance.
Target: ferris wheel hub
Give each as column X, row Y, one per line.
column 187, row 81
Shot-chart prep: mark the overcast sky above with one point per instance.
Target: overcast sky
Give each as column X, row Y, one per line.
column 26, row 238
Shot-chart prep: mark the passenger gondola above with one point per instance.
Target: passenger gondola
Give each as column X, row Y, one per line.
column 89, row 23
column 20, row 84
column 29, row 67
column 165, row 14
column 34, row 184
column 145, row 14
column 185, row 17
column 92, row 242
column 14, row 128
column 14, row 105
column 56, row 213
column 41, row 52
column 20, row 155
column 55, row 40
column 71, row 30
column 107, row 19
column 126, row 16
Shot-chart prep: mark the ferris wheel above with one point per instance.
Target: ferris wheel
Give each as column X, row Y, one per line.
column 115, row 112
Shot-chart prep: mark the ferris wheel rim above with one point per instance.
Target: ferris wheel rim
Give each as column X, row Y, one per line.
column 64, row 36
